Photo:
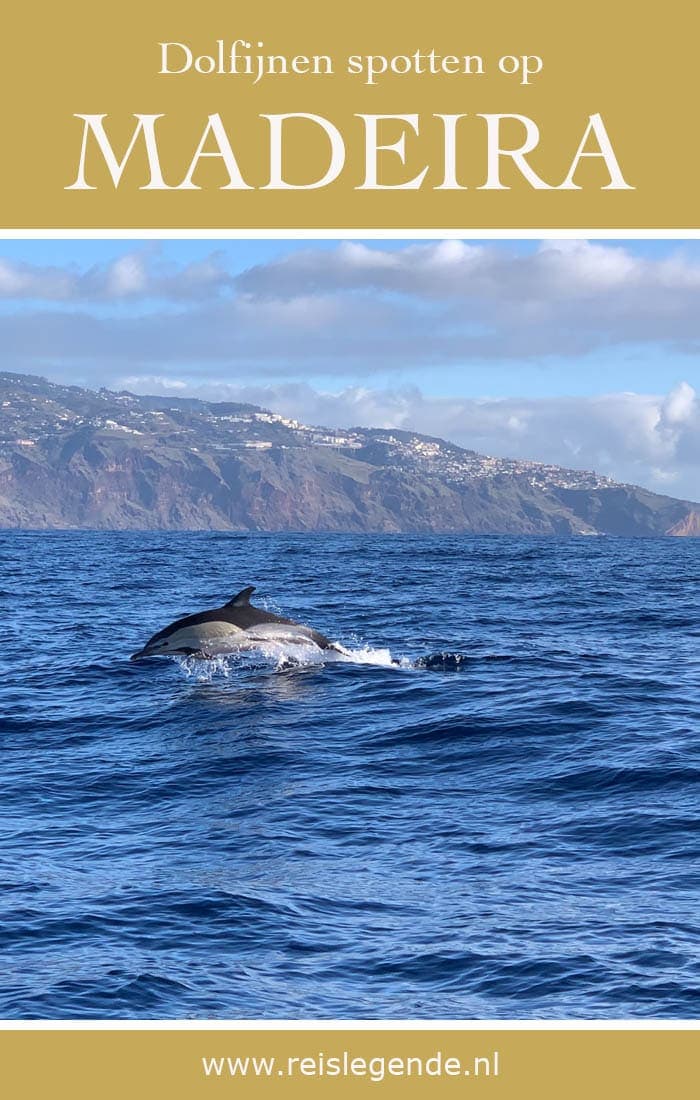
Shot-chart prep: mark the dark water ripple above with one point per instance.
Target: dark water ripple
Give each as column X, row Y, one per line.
column 503, row 825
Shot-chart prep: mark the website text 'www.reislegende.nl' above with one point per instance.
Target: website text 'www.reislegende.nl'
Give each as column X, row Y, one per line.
column 375, row 1068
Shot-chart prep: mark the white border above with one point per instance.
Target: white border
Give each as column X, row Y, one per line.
column 350, row 1025
column 351, row 234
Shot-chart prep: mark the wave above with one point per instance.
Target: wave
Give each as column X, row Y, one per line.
column 479, row 805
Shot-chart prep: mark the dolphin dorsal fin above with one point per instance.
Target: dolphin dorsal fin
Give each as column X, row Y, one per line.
column 243, row 597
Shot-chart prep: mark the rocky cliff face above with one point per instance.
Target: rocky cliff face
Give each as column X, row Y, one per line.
column 73, row 458
column 688, row 527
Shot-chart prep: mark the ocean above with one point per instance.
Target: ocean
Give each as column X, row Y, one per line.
column 487, row 808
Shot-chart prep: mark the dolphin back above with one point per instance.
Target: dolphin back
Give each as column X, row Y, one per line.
column 241, row 613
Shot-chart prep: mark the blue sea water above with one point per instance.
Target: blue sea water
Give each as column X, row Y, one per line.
column 502, row 825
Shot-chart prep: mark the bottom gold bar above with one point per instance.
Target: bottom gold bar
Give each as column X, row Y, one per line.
column 489, row 1064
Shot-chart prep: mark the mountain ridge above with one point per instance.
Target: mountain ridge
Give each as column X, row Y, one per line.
column 72, row 457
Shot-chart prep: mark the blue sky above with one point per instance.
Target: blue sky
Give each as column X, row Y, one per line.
column 584, row 353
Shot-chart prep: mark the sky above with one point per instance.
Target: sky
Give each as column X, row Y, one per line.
column 581, row 353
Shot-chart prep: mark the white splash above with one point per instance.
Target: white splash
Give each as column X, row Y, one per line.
column 365, row 655
column 283, row 657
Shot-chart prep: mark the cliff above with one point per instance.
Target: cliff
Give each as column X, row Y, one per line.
column 76, row 458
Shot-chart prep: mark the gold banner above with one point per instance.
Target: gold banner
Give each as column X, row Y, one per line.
column 493, row 1064
column 206, row 116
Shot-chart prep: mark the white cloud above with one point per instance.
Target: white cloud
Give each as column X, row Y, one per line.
column 356, row 307
column 562, row 269
column 135, row 275
column 20, row 280
column 565, row 298
column 126, row 276
column 681, row 404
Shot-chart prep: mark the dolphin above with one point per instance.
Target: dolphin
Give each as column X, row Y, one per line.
column 237, row 625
